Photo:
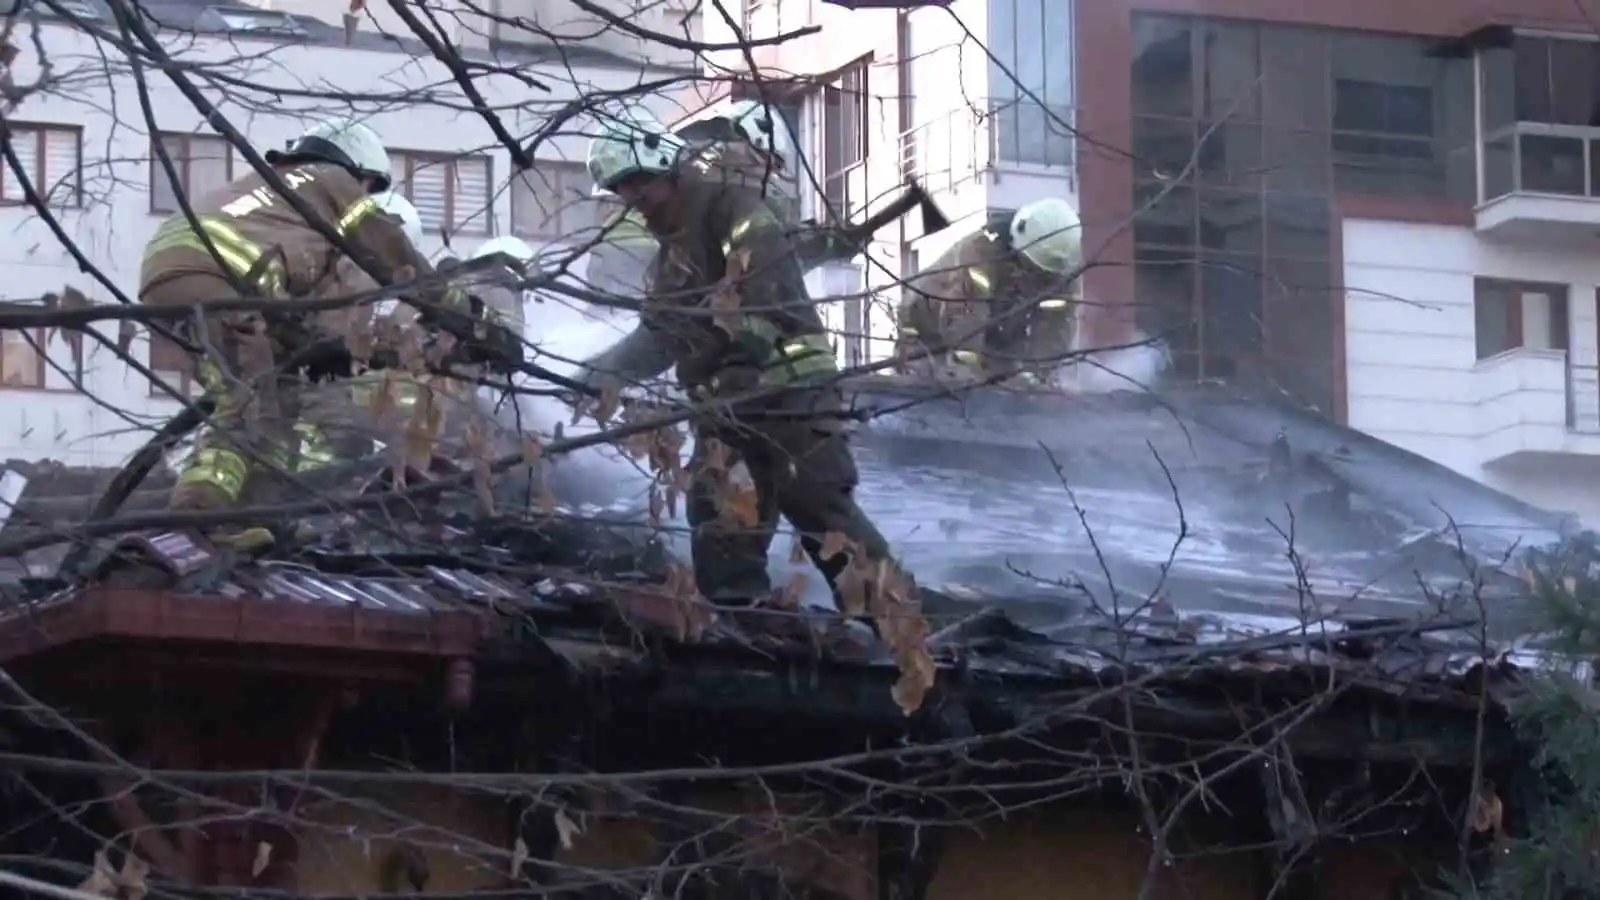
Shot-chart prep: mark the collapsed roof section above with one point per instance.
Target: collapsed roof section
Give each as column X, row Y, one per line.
column 1056, row 537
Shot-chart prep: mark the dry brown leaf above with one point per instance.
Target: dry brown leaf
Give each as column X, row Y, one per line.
column 610, row 402
column 357, row 5
column 566, row 829
column 262, row 860
column 519, row 857
column 797, row 551
column 532, row 450
column 132, row 877
column 740, row 505
column 852, row 585
column 833, row 544
column 1488, row 813
column 126, row 332
column 8, row 53
column 547, row 497
column 102, row 881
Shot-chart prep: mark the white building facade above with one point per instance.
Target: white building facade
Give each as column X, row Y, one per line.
column 85, row 143
column 1476, row 342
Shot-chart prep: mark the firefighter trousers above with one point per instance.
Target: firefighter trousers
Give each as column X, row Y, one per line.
column 255, row 429
column 801, row 469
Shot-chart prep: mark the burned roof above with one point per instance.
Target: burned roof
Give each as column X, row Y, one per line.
column 1053, row 536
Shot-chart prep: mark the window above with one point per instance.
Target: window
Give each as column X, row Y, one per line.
column 451, row 193
column 203, row 163
column 553, row 201
column 22, row 361
column 52, row 157
column 174, row 367
column 1030, row 74
column 844, row 121
column 1548, row 82
column 1518, row 314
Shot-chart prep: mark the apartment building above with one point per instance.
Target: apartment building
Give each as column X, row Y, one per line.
column 1387, row 210
column 87, row 142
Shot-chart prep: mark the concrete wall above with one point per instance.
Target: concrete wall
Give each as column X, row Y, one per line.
column 1415, row 380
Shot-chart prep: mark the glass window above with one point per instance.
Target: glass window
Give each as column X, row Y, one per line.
column 1296, row 160
column 1555, row 80
column 1231, row 326
column 1298, row 225
column 1163, row 216
column 1231, row 221
column 1230, row 154
column 1298, row 313
column 1163, row 66
column 1162, row 147
column 1294, row 78
column 1230, row 77
column 1164, row 283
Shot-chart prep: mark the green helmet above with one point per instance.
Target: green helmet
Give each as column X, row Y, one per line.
column 1048, row 234
column 632, row 144
column 343, row 142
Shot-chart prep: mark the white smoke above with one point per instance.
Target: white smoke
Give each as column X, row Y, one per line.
column 1129, row 368
column 563, row 335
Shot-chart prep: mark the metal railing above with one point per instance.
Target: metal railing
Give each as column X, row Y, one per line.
column 1540, row 158
column 953, row 147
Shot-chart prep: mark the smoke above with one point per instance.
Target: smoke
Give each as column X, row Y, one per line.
column 564, row 335
column 1123, row 369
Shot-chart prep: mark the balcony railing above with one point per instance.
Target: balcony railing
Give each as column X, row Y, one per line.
column 1538, row 158
column 954, row 147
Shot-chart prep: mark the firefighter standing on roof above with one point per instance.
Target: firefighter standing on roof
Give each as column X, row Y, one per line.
column 248, row 242
column 746, row 146
column 1000, row 301
column 721, row 241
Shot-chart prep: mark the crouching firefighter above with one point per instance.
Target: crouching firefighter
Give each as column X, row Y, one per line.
column 1000, row 301
column 718, row 240
column 372, row 411
column 246, row 241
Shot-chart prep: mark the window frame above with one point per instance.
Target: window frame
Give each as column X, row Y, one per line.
column 522, row 191
column 181, row 161
column 405, row 163
column 1516, row 314
column 42, row 180
column 40, row 348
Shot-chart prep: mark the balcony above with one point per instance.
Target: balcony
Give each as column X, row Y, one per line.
column 1535, row 404
column 1540, row 182
column 991, row 138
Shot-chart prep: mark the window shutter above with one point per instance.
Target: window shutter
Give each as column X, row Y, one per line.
column 25, row 142
column 428, row 187
column 208, row 165
column 61, row 166
column 472, row 211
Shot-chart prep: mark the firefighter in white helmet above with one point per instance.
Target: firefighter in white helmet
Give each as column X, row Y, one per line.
column 1000, row 301
column 244, row 240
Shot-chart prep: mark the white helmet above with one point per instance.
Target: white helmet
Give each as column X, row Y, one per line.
column 343, row 142
column 632, row 144
column 395, row 204
column 1049, row 234
column 764, row 129
column 516, row 248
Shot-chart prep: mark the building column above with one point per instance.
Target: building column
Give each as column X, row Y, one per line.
column 1583, row 356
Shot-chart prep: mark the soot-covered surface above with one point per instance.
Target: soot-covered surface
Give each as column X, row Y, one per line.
column 1051, row 520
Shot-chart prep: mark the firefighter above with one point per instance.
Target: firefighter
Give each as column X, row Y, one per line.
column 788, row 449
column 248, row 242
column 999, row 302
